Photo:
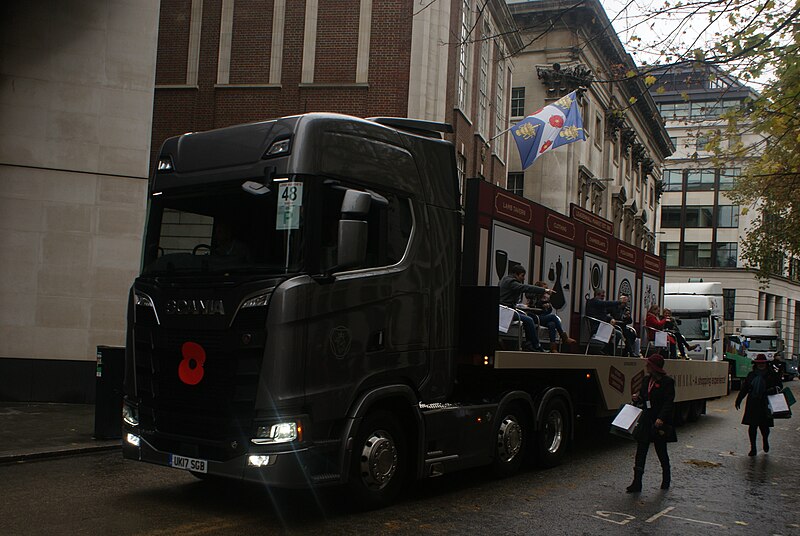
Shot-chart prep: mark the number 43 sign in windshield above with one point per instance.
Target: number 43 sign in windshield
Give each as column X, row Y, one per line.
column 290, row 199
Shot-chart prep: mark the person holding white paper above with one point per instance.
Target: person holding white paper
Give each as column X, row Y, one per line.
column 762, row 381
column 656, row 397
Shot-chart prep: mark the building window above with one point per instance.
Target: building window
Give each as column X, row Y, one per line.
column 463, row 56
column 673, row 180
column 701, row 141
column 598, row 130
column 516, row 183
column 699, row 216
column 726, row 254
column 500, row 120
column 483, row 82
column 697, row 254
column 670, row 252
column 517, row 102
column 671, row 217
column 728, row 303
column 728, row 216
column 700, row 179
column 727, row 178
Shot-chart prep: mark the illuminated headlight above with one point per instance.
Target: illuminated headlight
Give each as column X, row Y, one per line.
column 132, row 439
column 130, row 414
column 165, row 164
column 278, row 148
column 257, row 460
column 258, row 301
column 283, row 432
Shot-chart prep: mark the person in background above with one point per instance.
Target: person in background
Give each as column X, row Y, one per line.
column 762, row 381
column 511, row 289
column 624, row 322
column 598, row 308
column 671, row 324
column 549, row 318
column 654, row 322
column 656, row 398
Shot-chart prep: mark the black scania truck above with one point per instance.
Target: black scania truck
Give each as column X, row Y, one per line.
column 299, row 320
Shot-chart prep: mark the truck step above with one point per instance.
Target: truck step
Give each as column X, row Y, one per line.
column 325, row 477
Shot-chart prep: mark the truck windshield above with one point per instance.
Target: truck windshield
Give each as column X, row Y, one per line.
column 225, row 230
column 763, row 345
column 695, row 328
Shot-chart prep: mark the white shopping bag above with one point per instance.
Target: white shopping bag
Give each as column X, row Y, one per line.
column 627, row 418
column 506, row 317
column 777, row 404
column 661, row 339
column 604, row 331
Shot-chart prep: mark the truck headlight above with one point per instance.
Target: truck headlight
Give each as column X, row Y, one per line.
column 282, row 432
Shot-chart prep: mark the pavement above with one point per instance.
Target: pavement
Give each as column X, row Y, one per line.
column 37, row 430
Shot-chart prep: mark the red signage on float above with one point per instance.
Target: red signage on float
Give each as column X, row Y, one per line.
column 626, row 253
column 584, row 216
column 596, row 241
column 652, row 263
column 560, row 227
column 508, row 206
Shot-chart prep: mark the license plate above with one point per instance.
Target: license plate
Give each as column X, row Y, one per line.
column 189, row 464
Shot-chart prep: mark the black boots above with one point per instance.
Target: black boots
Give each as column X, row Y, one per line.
column 666, row 478
column 636, row 485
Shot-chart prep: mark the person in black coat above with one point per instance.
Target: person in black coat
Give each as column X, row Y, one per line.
column 762, row 381
column 656, row 397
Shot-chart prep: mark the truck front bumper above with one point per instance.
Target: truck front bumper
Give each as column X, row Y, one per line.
column 288, row 468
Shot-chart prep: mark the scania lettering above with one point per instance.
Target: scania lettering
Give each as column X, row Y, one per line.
column 301, row 317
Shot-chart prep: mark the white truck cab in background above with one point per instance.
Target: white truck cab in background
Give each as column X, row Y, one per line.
column 698, row 306
column 764, row 337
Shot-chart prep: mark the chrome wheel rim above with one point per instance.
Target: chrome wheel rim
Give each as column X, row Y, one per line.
column 378, row 460
column 553, row 431
column 509, row 439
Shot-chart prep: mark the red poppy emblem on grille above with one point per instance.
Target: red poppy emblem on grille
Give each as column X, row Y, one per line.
column 190, row 370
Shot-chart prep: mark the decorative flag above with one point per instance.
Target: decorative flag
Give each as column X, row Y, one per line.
column 554, row 125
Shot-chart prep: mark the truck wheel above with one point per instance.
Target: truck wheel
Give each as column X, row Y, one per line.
column 682, row 413
column 510, row 442
column 379, row 463
column 696, row 409
column 553, row 436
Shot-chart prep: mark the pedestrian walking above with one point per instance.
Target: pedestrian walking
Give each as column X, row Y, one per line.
column 763, row 380
column 656, row 397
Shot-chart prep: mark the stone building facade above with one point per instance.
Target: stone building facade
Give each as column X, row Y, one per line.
column 76, row 93
column 615, row 172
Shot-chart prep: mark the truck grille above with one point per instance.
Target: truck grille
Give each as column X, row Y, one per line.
column 218, row 407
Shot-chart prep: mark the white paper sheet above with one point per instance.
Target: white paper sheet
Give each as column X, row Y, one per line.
column 604, row 331
column 506, row 317
column 627, row 417
column 661, row 339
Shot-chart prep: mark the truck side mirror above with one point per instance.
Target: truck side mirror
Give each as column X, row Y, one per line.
column 353, row 231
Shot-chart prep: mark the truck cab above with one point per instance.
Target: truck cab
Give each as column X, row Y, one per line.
column 698, row 307
column 763, row 337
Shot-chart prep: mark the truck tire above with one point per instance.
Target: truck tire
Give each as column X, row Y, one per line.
column 696, row 409
column 379, row 461
column 510, row 442
column 682, row 410
column 553, row 436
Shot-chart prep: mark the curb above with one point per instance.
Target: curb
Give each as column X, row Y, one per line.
column 56, row 453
